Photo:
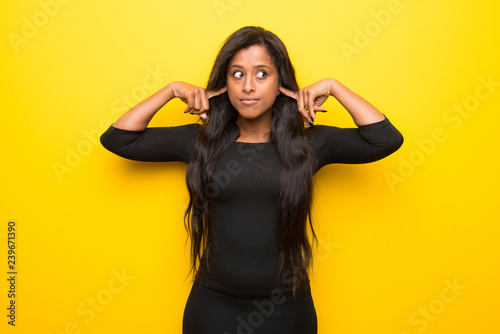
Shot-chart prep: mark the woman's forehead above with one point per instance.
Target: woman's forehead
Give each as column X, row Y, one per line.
column 252, row 56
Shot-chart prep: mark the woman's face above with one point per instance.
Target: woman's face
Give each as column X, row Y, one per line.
column 252, row 82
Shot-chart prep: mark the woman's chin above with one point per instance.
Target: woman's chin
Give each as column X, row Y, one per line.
column 252, row 115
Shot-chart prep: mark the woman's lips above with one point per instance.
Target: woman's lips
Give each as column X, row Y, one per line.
column 249, row 102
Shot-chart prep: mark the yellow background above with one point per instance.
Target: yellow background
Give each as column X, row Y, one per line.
column 395, row 234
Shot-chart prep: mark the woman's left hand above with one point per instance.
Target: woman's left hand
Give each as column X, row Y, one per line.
column 310, row 98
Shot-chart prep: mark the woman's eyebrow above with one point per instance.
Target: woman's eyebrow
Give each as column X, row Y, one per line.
column 256, row 66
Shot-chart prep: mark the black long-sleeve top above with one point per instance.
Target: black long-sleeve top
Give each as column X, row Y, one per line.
column 244, row 256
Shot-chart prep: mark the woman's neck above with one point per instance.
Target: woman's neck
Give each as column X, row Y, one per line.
column 254, row 130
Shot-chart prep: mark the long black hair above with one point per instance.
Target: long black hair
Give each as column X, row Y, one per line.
column 219, row 131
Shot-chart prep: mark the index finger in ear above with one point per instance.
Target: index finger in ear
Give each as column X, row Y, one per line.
column 288, row 92
column 212, row 93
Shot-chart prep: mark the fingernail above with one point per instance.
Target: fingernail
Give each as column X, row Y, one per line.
column 311, row 124
column 321, row 110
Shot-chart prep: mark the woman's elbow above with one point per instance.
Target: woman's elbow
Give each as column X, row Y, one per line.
column 107, row 142
column 398, row 141
column 393, row 144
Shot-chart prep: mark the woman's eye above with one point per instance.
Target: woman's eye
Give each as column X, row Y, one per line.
column 261, row 74
column 237, row 74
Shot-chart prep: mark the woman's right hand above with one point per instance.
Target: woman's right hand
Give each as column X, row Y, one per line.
column 195, row 97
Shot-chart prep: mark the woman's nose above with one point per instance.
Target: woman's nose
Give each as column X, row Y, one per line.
column 248, row 85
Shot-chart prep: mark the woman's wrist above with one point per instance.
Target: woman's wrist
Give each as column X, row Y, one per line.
column 334, row 86
column 168, row 92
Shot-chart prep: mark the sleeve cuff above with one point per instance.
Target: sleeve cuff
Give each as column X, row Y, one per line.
column 376, row 125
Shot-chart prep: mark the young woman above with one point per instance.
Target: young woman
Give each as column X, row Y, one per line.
column 250, row 167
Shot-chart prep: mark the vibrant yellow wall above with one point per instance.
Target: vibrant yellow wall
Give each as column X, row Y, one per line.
column 408, row 244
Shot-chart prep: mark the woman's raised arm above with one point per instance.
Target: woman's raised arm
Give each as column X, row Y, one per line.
column 131, row 138
column 373, row 139
column 139, row 116
column 311, row 98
